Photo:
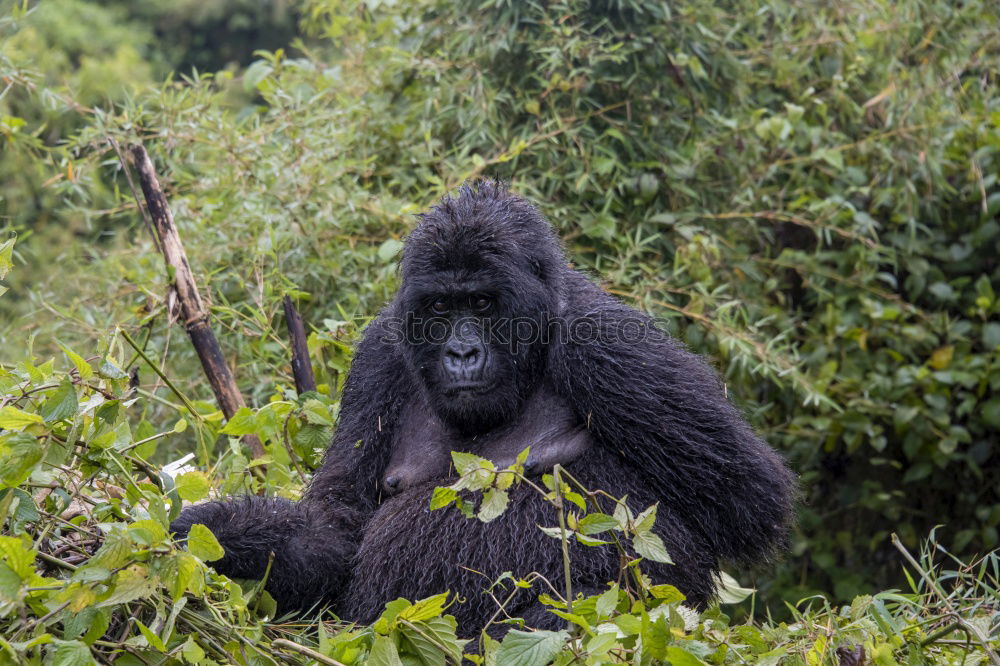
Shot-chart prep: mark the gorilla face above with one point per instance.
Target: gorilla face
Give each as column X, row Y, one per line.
column 481, row 278
column 474, row 341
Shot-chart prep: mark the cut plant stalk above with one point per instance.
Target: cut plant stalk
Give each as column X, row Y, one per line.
column 192, row 308
column 302, row 370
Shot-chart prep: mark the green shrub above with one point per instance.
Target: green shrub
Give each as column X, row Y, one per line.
column 807, row 194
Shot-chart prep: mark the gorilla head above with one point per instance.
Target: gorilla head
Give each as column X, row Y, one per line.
column 480, row 281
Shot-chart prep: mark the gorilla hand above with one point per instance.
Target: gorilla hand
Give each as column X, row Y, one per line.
column 298, row 536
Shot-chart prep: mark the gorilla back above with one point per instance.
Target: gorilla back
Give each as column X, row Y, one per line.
column 490, row 329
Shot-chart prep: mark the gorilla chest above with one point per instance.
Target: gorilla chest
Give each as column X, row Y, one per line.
column 421, row 450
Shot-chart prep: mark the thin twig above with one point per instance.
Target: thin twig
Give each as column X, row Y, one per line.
column 135, row 194
column 187, row 403
column 302, row 649
column 567, row 572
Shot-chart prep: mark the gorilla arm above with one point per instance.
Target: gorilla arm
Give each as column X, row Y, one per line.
column 664, row 411
column 313, row 541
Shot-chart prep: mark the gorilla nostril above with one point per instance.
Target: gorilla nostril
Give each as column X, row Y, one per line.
column 461, row 356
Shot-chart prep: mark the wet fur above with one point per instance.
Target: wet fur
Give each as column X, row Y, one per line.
column 660, row 430
column 546, row 425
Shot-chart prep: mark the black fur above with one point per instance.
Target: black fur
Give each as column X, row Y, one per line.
column 660, row 430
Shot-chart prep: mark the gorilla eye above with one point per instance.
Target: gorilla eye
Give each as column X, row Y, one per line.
column 440, row 307
column 481, row 303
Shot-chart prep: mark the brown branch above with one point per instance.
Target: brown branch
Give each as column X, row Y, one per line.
column 193, row 312
column 301, row 366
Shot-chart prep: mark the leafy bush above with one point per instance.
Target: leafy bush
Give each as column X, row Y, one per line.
column 88, row 573
column 807, row 194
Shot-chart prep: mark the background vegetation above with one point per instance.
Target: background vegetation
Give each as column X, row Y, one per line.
column 805, row 193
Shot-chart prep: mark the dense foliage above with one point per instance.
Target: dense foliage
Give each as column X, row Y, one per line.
column 807, row 194
column 88, row 573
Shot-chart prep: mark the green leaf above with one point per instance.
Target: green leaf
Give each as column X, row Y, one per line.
column 991, row 335
column 10, row 589
column 192, row 486
column 82, row 367
column 554, row 532
column 630, row 625
column 387, row 620
column 607, row 602
column 317, row 413
column 576, row 619
column 650, row 546
column 26, row 510
column 425, row 609
column 384, row 653
column 832, row 157
column 600, row 644
column 494, row 504
column 676, row 656
column 476, row 473
column 255, row 74
column 114, row 552
column 110, row 370
column 62, row 404
column 941, row 358
column 666, row 593
column 6, row 257
column 432, row 642
column 645, row 520
column 577, row 499
column 622, row 514
column 91, row 574
column 19, row 453
column 131, row 583
column 442, row 497
column 202, row 544
column 589, row 541
column 147, row 532
column 656, row 635
column 85, row 623
column 70, row 653
column 990, row 413
column 17, row 555
column 153, row 640
column 466, row 463
column 389, row 249
column 192, row 652
column 729, row 591
column 595, row 523
column 530, row 648
column 183, row 575
column 242, row 423
column 12, row 418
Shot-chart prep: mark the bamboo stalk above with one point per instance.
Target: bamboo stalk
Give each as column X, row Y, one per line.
column 301, row 366
column 193, row 312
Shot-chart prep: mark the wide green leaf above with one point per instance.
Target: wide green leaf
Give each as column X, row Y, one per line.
column 202, row 544
column 530, row 648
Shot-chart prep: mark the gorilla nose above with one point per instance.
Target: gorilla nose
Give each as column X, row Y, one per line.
column 463, row 358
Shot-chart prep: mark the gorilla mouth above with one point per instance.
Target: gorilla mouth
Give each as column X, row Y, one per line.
column 472, row 387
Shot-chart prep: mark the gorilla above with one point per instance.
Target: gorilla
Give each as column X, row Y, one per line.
column 492, row 344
